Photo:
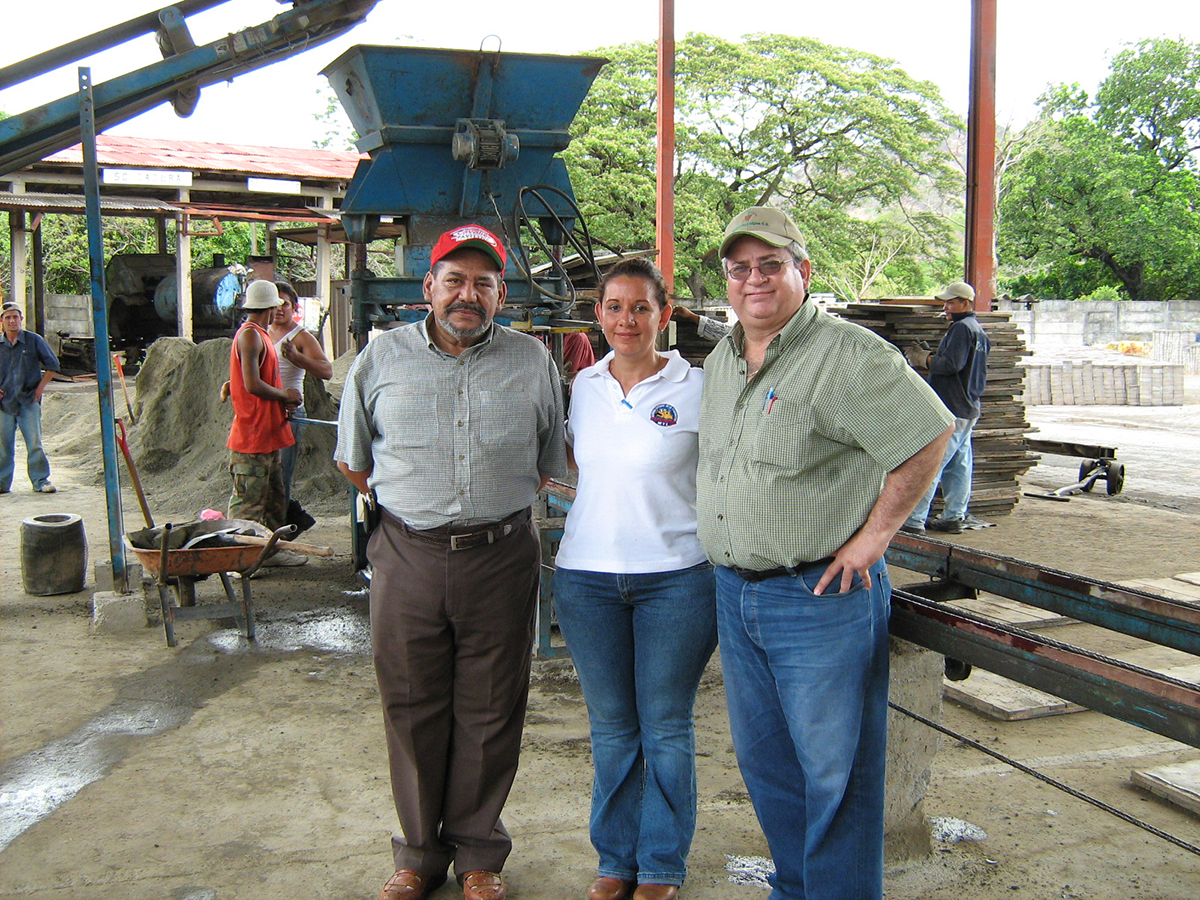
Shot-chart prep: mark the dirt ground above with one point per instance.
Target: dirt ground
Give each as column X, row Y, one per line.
column 223, row 769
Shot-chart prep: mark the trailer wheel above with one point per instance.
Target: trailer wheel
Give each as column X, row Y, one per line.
column 1116, row 478
column 1085, row 468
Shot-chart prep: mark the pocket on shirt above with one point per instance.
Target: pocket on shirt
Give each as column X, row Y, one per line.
column 778, row 438
column 507, row 418
column 409, row 420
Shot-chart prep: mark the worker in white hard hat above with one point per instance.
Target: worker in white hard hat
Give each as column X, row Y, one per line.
column 260, row 428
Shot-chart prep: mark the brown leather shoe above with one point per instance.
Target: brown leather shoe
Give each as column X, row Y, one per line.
column 481, row 885
column 656, row 892
column 409, row 884
column 605, row 888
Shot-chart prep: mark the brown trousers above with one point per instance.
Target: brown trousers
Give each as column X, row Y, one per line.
column 452, row 634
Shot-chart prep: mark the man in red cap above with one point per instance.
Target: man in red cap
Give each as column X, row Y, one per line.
column 455, row 423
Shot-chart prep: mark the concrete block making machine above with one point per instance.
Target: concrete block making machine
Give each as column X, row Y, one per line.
column 456, row 137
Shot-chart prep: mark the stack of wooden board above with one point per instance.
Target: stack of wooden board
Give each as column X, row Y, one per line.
column 1001, row 455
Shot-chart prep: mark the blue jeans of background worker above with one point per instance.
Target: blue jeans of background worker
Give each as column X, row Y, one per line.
column 289, row 455
column 806, row 680
column 29, row 420
column 640, row 643
column 954, row 475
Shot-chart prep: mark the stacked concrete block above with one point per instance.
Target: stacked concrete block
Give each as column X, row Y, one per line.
column 1180, row 348
column 1102, row 383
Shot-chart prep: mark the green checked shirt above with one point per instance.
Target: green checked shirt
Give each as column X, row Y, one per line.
column 792, row 461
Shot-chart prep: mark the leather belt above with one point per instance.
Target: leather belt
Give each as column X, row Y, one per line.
column 465, row 537
column 755, row 575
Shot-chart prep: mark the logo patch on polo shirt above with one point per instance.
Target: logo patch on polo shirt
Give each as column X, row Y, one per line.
column 664, row 414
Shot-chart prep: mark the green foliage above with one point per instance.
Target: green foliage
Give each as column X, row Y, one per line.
column 1151, row 101
column 1104, row 292
column 339, row 134
column 846, row 141
column 65, row 249
column 1104, row 193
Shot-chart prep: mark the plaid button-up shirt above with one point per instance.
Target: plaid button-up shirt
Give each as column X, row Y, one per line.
column 462, row 439
column 792, row 461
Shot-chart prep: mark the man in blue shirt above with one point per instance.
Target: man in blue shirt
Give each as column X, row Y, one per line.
column 958, row 373
column 27, row 364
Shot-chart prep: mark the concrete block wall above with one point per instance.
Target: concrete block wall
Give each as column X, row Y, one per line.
column 68, row 313
column 1083, row 323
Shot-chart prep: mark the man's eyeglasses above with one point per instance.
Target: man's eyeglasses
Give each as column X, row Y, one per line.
column 767, row 268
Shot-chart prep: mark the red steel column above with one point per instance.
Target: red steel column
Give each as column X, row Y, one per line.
column 981, row 155
column 664, row 210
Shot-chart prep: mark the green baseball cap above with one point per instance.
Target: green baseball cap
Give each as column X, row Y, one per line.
column 768, row 224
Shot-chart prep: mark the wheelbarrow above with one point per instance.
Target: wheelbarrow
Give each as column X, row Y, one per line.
column 180, row 567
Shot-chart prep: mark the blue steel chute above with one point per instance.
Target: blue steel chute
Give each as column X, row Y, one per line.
column 457, row 136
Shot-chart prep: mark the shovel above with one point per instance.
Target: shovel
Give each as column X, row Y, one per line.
column 133, row 475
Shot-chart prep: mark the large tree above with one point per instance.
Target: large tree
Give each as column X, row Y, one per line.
column 848, row 142
column 1104, row 190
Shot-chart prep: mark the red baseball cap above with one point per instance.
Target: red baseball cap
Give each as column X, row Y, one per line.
column 475, row 237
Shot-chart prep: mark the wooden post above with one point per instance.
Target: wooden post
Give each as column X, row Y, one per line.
column 183, row 272
column 981, row 155
column 38, row 307
column 18, row 256
column 664, row 228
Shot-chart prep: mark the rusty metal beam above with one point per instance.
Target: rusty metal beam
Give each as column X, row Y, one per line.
column 1156, row 702
column 981, row 155
column 1151, row 617
column 664, row 209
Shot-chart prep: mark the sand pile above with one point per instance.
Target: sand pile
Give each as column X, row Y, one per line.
column 178, row 443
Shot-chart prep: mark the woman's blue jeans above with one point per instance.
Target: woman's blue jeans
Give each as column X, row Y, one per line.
column 640, row 644
column 806, row 680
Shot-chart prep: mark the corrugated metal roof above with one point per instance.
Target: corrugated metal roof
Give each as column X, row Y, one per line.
column 138, row 206
column 156, row 153
column 272, row 214
column 66, row 203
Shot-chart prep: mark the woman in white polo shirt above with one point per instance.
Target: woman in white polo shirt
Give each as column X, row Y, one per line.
column 633, row 589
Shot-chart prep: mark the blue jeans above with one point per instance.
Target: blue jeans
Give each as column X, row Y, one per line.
column 640, row 644
column 806, row 680
column 954, row 475
column 289, row 455
column 29, row 420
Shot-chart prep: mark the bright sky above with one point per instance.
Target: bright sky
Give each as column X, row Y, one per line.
column 1041, row 42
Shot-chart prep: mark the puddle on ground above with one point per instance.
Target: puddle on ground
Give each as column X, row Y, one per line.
column 330, row 630
column 34, row 785
column 40, row 782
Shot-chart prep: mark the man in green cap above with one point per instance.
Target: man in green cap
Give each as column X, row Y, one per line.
column 816, row 440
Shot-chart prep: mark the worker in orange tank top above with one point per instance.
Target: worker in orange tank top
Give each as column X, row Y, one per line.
column 260, row 408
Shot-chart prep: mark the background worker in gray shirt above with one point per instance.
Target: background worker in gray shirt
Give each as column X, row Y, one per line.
column 455, row 422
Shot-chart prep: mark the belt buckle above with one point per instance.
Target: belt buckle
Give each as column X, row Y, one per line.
column 468, row 541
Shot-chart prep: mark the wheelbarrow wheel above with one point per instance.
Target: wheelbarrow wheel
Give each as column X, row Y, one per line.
column 1116, row 478
column 1085, row 469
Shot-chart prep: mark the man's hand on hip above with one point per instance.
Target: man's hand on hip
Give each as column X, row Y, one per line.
column 856, row 555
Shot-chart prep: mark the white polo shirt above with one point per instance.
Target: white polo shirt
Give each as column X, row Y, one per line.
column 635, row 510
